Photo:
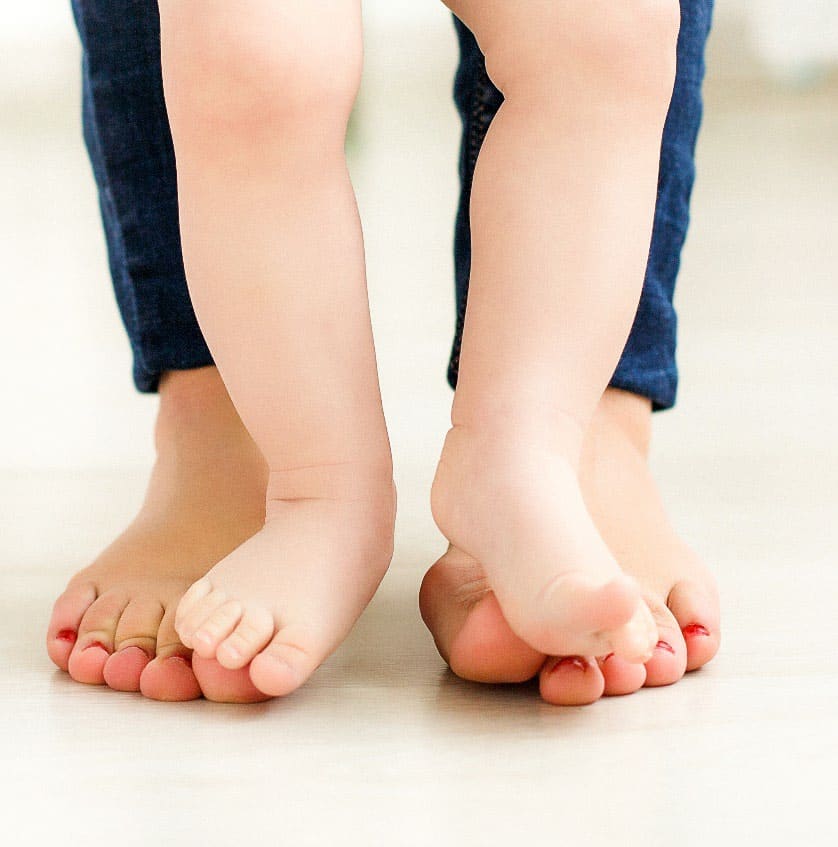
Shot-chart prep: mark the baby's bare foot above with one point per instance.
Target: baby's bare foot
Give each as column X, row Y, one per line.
column 114, row 624
column 513, row 503
column 471, row 633
column 283, row 601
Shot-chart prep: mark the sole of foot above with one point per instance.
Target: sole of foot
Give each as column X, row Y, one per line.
column 283, row 601
column 462, row 611
column 114, row 624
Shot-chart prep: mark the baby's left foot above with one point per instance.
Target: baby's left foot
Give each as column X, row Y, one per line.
column 474, row 638
column 283, row 601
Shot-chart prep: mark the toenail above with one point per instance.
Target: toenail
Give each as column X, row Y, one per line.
column 124, row 650
column 99, row 645
column 232, row 652
column 665, row 645
column 696, row 629
column 572, row 661
column 68, row 635
column 185, row 659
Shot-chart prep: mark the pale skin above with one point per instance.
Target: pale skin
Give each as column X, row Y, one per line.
column 553, row 568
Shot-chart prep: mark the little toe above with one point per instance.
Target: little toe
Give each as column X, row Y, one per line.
column 254, row 631
column 669, row 660
column 216, row 628
column 468, row 626
column 621, row 677
column 190, row 617
column 67, row 613
column 169, row 676
column 286, row 663
column 696, row 609
column 95, row 643
column 571, row 681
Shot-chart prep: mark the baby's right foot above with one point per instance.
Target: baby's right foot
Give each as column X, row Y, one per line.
column 514, row 504
column 114, row 624
column 282, row 602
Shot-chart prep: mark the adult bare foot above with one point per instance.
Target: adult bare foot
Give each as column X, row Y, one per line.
column 460, row 608
column 114, row 624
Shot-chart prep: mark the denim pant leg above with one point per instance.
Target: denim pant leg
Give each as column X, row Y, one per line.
column 647, row 366
column 126, row 130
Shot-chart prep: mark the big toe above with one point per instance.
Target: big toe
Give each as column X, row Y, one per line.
column 222, row 685
column 287, row 662
column 468, row 625
column 696, row 609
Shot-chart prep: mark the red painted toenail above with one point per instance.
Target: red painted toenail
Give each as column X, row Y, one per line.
column 572, row 661
column 665, row 645
column 68, row 635
column 97, row 644
column 696, row 629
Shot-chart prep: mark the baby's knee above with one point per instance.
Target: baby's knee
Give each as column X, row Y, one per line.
column 228, row 75
column 625, row 49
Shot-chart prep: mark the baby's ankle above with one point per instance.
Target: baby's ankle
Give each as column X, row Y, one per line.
column 367, row 478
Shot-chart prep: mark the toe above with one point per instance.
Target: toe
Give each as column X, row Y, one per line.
column 581, row 614
column 135, row 644
column 216, row 628
column 169, row 676
column 190, row 615
column 635, row 641
column 487, row 650
column 669, row 660
column 286, row 663
column 468, row 626
column 696, row 609
column 95, row 643
column 571, row 681
column 225, row 686
column 67, row 614
column 621, row 677
column 254, row 631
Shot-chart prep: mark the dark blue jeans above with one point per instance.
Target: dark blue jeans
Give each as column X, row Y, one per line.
column 127, row 134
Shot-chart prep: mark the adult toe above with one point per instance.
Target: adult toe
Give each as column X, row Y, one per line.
column 67, row 614
column 468, row 626
column 695, row 606
column 96, row 637
column 135, row 644
column 669, row 659
column 621, row 677
column 571, row 681
column 169, row 676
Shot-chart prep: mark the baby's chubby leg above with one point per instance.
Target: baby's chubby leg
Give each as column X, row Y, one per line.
column 561, row 211
column 259, row 94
